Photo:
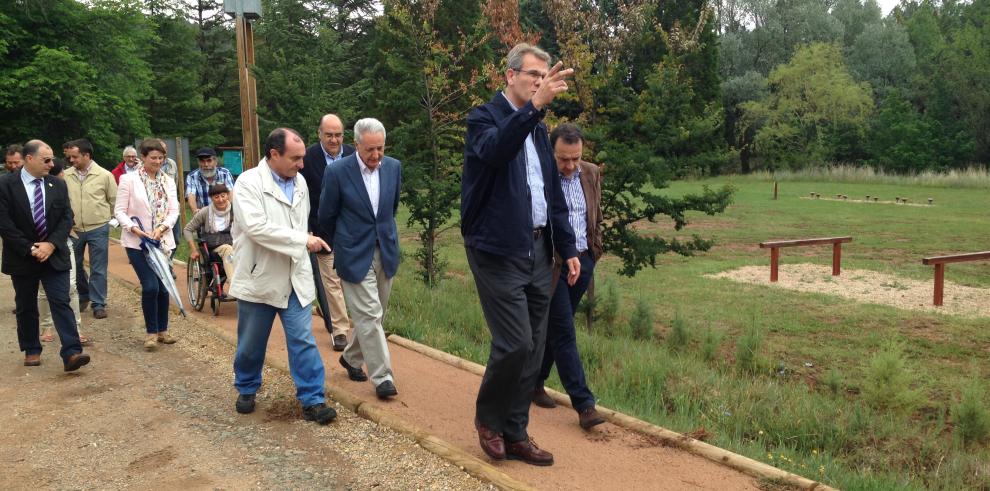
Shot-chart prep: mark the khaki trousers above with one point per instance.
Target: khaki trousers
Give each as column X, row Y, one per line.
column 366, row 302
column 335, row 295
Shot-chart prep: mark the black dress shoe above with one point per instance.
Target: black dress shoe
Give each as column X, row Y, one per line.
column 542, row 399
column 491, row 441
column 76, row 361
column 245, row 403
column 386, row 389
column 590, row 418
column 83, row 305
column 528, row 452
column 321, row 413
column 100, row 313
column 353, row 373
column 339, row 342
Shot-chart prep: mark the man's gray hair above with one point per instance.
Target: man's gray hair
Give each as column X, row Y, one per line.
column 129, row 148
column 366, row 126
column 514, row 60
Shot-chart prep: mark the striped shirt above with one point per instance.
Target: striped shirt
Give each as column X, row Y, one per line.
column 198, row 186
column 577, row 208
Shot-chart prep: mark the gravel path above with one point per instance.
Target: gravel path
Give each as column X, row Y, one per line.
column 133, row 419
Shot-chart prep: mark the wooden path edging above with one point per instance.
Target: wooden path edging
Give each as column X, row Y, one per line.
column 469, row 463
column 724, row 457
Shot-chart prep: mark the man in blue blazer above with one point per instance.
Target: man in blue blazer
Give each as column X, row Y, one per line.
column 35, row 228
column 357, row 218
column 329, row 149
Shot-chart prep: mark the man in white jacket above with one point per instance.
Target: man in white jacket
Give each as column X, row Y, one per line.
column 273, row 274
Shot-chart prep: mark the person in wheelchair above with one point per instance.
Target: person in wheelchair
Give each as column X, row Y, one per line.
column 212, row 226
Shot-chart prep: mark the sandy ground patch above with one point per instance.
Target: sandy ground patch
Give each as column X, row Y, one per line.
column 863, row 285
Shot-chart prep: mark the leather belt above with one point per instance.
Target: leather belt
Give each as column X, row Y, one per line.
column 538, row 233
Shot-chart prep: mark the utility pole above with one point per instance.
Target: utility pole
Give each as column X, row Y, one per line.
column 243, row 12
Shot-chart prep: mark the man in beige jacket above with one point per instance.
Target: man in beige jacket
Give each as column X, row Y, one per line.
column 273, row 274
column 92, row 193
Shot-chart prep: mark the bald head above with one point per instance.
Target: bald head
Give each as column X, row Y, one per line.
column 331, row 134
column 38, row 158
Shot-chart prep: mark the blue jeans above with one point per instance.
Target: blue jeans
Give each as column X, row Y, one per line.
column 254, row 325
column 154, row 296
column 562, row 340
column 93, row 287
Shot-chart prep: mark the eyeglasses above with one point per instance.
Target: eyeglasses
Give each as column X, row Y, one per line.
column 533, row 73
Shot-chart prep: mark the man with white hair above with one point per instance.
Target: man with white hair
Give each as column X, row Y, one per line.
column 129, row 164
column 357, row 218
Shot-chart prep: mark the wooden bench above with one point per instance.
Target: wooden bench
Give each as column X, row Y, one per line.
column 940, row 261
column 775, row 245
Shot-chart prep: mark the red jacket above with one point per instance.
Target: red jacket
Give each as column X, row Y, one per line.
column 118, row 171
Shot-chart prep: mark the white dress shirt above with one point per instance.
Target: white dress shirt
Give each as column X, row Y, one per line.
column 371, row 182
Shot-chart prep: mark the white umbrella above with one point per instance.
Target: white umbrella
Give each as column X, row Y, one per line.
column 159, row 264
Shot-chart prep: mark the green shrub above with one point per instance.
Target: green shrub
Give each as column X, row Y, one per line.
column 749, row 356
column 679, row 336
column 606, row 304
column 641, row 322
column 710, row 339
column 832, row 380
column 971, row 418
column 888, row 380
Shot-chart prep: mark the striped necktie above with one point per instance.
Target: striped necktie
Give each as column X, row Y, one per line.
column 40, row 224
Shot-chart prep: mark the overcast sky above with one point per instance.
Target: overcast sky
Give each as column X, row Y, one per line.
column 887, row 5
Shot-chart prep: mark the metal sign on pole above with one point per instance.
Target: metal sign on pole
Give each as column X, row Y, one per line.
column 244, row 11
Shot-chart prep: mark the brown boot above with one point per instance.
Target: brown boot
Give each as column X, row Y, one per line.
column 590, row 418
column 542, row 399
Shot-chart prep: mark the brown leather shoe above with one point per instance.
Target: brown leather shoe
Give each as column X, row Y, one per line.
column 528, row 452
column 76, row 361
column 32, row 360
column 339, row 342
column 491, row 441
column 590, row 418
column 542, row 399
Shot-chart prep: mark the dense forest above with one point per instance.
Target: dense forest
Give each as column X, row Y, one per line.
column 664, row 89
column 693, row 87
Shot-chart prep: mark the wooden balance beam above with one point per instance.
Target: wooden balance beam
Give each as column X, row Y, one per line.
column 940, row 261
column 775, row 245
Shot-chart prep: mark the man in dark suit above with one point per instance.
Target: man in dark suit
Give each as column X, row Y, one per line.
column 581, row 184
column 329, row 149
column 357, row 217
column 35, row 234
column 512, row 216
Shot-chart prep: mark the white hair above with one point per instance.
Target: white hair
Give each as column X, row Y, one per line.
column 366, row 126
column 130, row 148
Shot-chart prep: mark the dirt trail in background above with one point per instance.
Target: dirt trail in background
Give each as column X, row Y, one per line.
column 440, row 398
column 863, row 285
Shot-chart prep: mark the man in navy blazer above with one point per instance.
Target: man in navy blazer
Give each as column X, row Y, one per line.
column 513, row 214
column 329, row 149
column 357, row 218
column 35, row 230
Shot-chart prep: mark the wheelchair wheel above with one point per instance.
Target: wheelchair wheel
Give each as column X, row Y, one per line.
column 196, row 285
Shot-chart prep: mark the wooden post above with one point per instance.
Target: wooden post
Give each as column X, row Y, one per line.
column 939, row 283
column 775, row 190
column 248, row 92
column 180, row 181
column 836, row 258
column 774, row 261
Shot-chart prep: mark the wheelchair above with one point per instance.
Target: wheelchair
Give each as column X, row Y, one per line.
column 205, row 279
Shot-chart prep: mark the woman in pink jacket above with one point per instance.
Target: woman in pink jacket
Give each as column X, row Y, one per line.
column 149, row 196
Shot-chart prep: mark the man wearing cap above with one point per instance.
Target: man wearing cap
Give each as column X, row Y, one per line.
column 198, row 182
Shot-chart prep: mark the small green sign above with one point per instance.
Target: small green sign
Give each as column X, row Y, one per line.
column 233, row 160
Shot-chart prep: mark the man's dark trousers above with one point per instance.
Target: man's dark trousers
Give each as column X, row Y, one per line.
column 515, row 298
column 562, row 340
column 56, row 285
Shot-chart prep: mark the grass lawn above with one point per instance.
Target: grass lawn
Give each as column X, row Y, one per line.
column 859, row 396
